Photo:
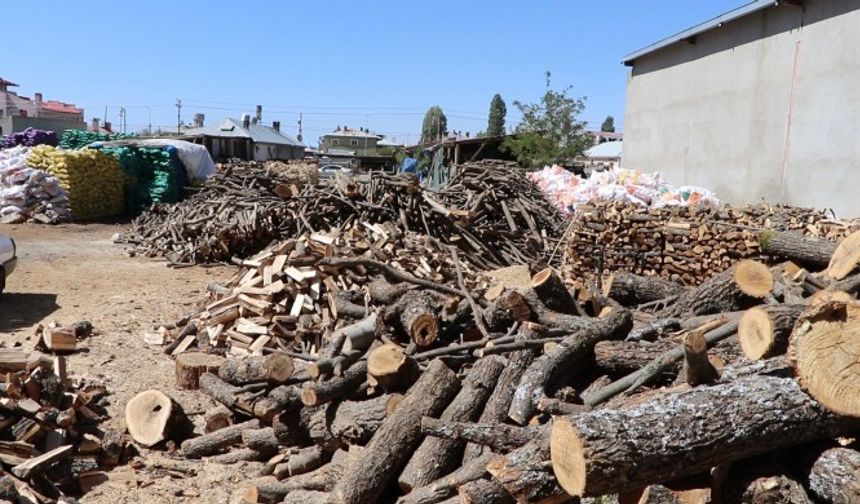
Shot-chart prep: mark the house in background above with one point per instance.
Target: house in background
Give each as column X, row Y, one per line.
column 348, row 141
column 762, row 102
column 18, row 113
column 247, row 140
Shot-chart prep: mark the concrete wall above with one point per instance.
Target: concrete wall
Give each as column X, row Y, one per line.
column 763, row 108
column 344, row 142
column 12, row 124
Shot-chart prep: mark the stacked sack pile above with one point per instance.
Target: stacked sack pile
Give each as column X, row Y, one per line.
column 27, row 194
column 78, row 139
column 152, row 175
column 30, row 137
column 92, row 179
column 568, row 190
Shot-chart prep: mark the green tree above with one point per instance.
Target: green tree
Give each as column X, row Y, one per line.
column 496, row 122
column 608, row 125
column 550, row 131
column 435, row 125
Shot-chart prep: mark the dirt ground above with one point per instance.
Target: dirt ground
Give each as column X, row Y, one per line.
column 74, row 272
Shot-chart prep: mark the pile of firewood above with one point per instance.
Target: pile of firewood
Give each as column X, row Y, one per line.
column 362, row 378
column 684, row 244
column 51, row 443
column 490, row 211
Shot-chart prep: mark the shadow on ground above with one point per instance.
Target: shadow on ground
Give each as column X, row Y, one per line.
column 19, row 310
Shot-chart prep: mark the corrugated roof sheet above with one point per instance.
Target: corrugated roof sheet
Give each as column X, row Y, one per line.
column 605, row 150
column 744, row 10
column 232, row 128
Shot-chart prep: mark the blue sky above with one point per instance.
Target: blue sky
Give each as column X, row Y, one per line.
column 378, row 64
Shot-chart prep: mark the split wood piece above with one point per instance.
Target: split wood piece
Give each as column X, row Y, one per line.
column 616, row 450
column 446, row 486
column 438, row 456
column 548, row 367
column 794, row 246
column 525, row 473
column 355, row 422
column 59, row 339
column 484, row 490
column 372, row 470
column 496, row 409
column 272, row 368
column 306, row 497
column 550, row 289
column 656, row 367
column 152, row 417
column 391, row 369
column 845, row 258
column 217, row 418
column 499, row 437
column 215, row 442
column 383, row 293
column 835, row 476
column 417, row 314
column 698, row 369
column 37, row 465
column 740, row 287
column 360, row 335
column 630, row 290
column 323, row 479
column 764, row 331
column 261, row 440
column 317, row 393
column 190, row 365
column 824, row 350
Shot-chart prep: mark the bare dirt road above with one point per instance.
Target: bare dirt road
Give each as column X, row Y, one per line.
column 74, row 272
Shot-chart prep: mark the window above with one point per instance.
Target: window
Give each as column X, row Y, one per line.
column 333, row 141
column 354, row 143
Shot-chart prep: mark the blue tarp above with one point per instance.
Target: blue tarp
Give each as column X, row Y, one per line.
column 410, row 165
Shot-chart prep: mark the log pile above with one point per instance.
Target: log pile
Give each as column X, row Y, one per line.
column 51, row 443
column 689, row 244
column 400, row 383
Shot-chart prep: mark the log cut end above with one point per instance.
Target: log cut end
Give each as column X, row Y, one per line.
column 753, row 278
column 389, row 367
column 279, row 367
column 148, row 416
column 846, row 257
column 756, row 333
column 827, row 296
column 424, row 329
column 568, row 456
column 824, row 351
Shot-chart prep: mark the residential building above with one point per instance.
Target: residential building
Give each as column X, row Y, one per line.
column 18, row 113
column 760, row 103
column 349, row 141
column 246, row 139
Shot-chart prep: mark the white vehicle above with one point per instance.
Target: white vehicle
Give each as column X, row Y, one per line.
column 8, row 259
column 329, row 171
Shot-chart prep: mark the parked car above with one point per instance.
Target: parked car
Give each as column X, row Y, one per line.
column 8, row 259
column 329, row 171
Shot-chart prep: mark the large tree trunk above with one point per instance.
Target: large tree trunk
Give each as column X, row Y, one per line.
column 737, row 288
column 795, row 247
column 438, row 456
column 763, row 331
column 630, row 289
column 373, row 469
column 498, row 436
column 835, row 476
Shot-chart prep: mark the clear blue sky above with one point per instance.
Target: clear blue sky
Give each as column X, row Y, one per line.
column 377, row 64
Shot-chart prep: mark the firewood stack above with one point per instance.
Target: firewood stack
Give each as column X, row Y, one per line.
column 684, row 244
column 439, row 386
column 51, row 442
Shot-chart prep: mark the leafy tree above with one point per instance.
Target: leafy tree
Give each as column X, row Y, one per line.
column 435, row 125
column 550, row 131
column 608, row 125
column 496, row 122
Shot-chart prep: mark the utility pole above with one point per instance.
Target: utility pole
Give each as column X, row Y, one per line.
column 149, row 126
column 178, row 116
column 299, row 137
column 122, row 118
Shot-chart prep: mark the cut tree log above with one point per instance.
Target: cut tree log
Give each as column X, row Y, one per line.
column 698, row 369
column 215, row 442
column 436, row 457
column 370, row 472
column 317, row 393
column 152, row 417
column 190, row 365
column 824, row 350
column 418, row 317
column 446, row 486
column 217, row 418
column 616, row 450
column 391, row 369
column 484, row 490
column 764, row 331
column 614, row 357
column 355, row 422
column 740, row 287
column 630, row 290
column 525, row 473
column 776, row 489
column 835, row 476
column 796, row 247
column 261, row 440
column 323, row 479
column 272, row 368
column 306, row 497
column 550, row 289
column 360, row 335
column 499, row 437
column 845, row 258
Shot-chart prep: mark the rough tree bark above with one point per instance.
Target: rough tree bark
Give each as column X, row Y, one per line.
column 835, row 476
column 740, row 287
column 794, row 246
column 629, row 289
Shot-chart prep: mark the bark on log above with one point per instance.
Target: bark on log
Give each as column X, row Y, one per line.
column 272, row 368
column 796, row 247
column 382, row 292
column 698, row 369
column 615, row 450
column 569, row 351
column 190, row 365
column 484, row 491
column 355, row 422
column 525, row 473
column 764, row 331
column 323, row 479
column 552, row 293
column 265, row 408
column 368, row 475
column 8, row 491
column 499, row 437
column 317, row 393
column 417, row 314
column 360, row 335
column 152, row 417
column 390, row 368
column 446, row 486
column 261, row 440
column 214, row 442
column 306, row 460
column 835, row 476
column 740, row 287
column 306, row 497
column 436, row 456
column 630, row 290
column 217, row 418
column 776, row 489
column 622, row 357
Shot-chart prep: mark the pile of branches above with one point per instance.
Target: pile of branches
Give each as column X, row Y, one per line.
column 530, row 391
column 683, row 244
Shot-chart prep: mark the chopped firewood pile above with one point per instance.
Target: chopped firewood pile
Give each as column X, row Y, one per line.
column 686, row 244
column 489, row 211
column 368, row 363
column 52, row 446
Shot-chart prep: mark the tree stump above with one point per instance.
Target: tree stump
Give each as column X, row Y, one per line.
column 152, row 417
column 190, row 365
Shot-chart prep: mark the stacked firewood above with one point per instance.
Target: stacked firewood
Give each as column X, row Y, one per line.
column 741, row 389
column 684, row 244
column 51, row 444
column 489, row 211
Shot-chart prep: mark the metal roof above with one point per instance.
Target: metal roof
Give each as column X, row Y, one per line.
column 717, row 22
column 606, row 150
column 232, row 128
